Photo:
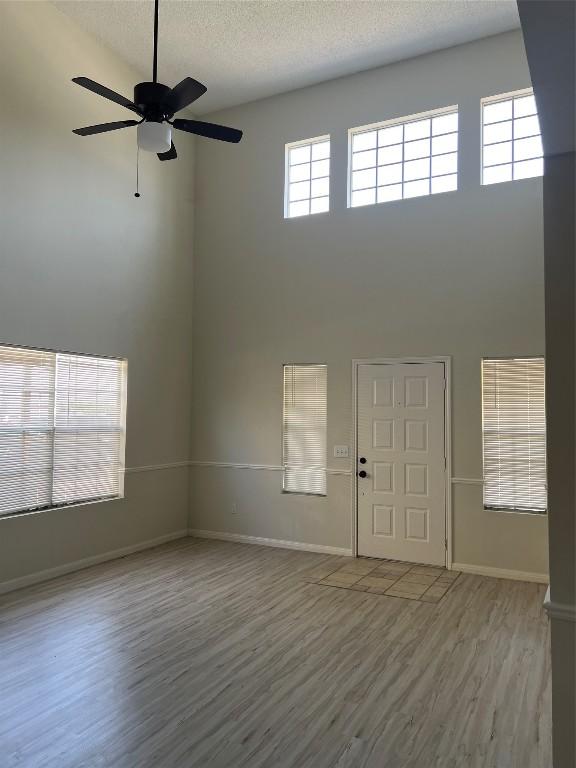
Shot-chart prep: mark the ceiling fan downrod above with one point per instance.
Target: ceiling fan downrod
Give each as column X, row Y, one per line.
column 155, row 59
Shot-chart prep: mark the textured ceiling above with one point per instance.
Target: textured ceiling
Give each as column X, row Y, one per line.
column 251, row 49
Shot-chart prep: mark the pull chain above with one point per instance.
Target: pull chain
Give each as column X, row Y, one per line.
column 137, row 194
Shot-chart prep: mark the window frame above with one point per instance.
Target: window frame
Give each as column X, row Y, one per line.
column 121, row 464
column 282, row 433
column 294, row 145
column 405, row 119
column 502, row 508
column 495, row 99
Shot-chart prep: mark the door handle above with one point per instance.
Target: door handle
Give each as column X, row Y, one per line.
column 362, row 473
column 362, row 460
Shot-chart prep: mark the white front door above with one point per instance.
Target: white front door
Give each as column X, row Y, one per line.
column 401, row 450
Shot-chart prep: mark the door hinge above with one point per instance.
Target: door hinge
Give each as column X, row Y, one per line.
column 446, row 544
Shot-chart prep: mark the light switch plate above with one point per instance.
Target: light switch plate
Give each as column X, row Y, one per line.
column 340, row 451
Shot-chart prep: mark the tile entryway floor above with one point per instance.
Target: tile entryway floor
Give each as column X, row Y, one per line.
column 426, row 583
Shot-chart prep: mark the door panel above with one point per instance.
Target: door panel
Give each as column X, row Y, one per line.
column 401, row 501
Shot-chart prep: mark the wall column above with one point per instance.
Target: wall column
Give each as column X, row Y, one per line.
column 549, row 34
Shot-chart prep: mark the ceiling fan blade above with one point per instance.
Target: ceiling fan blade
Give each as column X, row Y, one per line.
column 170, row 155
column 183, row 94
column 89, row 130
column 210, row 130
column 101, row 90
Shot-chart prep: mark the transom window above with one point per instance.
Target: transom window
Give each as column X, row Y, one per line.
column 511, row 141
column 62, row 429
column 408, row 157
column 307, row 183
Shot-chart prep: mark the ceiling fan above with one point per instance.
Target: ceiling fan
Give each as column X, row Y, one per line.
column 156, row 105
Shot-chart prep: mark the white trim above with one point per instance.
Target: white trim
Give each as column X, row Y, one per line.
column 269, row 468
column 447, row 362
column 467, row 481
column 403, row 119
column 237, row 465
column 505, row 96
column 448, row 448
column 354, row 490
column 241, row 538
column 266, row 467
column 87, row 562
column 156, row 467
column 501, row 573
column 560, row 611
column 306, row 142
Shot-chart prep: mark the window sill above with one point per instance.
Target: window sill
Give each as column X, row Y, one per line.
column 530, row 513
column 39, row 511
column 303, row 493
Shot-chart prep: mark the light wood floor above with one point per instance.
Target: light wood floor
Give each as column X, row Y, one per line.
column 212, row 654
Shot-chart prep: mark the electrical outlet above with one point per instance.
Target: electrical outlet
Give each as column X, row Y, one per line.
column 340, row 451
column 234, row 508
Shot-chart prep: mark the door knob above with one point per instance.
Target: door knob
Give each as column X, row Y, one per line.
column 362, row 473
column 362, row 460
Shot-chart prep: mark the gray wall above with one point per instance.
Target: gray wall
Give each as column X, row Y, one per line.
column 86, row 267
column 458, row 274
column 549, row 31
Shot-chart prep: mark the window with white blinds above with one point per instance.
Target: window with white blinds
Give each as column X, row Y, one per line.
column 304, row 429
column 514, row 434
column 62, row 429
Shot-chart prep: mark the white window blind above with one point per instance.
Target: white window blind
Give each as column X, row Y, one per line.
column 88, row 428
column 26, row 428
column 514, row 434
column 62, row 428
column 304, row 429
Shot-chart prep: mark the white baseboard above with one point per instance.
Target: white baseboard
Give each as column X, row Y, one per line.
column 560, row 611
column 78, row 565
column 241, row 538
column 501, row 573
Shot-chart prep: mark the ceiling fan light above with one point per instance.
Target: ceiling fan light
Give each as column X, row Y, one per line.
column 154, row 137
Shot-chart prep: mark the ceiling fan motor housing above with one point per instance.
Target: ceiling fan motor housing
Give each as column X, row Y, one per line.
column 150, row 98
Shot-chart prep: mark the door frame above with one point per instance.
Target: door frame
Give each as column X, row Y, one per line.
column 447, row 362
